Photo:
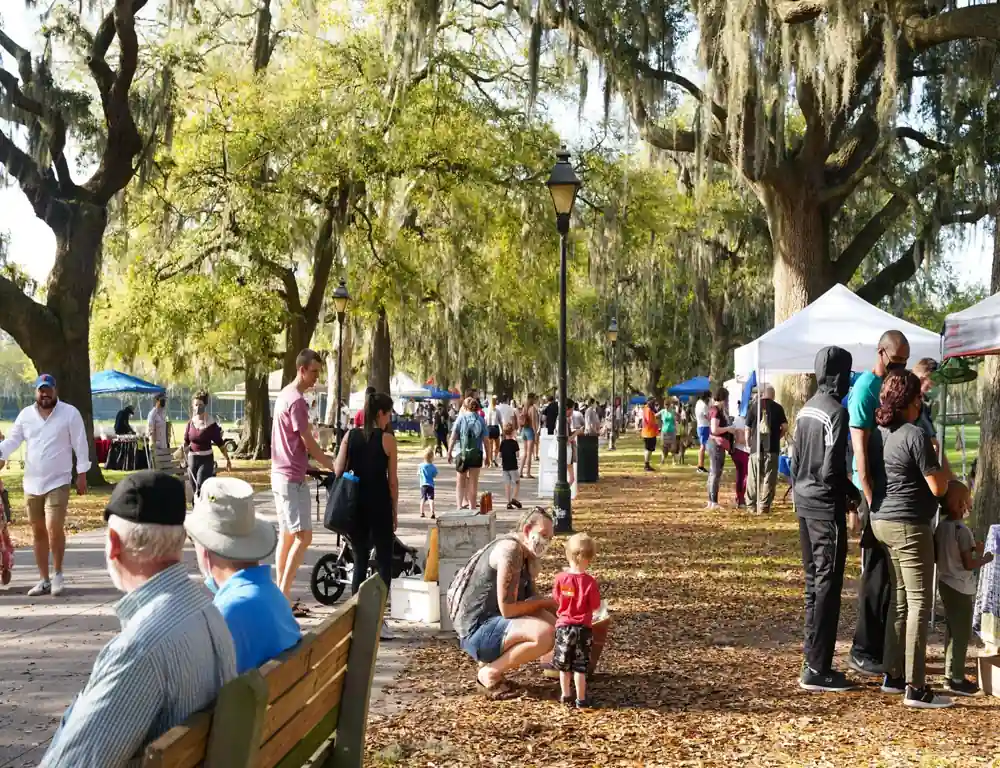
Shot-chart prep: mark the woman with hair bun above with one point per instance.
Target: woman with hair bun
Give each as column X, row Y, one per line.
column 203, row 432
column 908, row 482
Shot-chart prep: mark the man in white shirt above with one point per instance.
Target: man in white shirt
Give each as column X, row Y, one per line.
column 592, row 419
column 704, row 429
column 156, row 424
column 52, row 432
column 505, row 412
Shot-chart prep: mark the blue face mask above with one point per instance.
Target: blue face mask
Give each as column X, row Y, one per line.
column 210, row 583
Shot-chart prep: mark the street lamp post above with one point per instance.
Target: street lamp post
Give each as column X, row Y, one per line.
column 563, row 185
column 612, row 333
column 340, row 299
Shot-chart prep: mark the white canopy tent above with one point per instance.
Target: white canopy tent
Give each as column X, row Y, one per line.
column 839, row 317
column 973, row 332
column 401, row 387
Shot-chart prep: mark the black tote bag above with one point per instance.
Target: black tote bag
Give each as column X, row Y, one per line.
column 342, row 498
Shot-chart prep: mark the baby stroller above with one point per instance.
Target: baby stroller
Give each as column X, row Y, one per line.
column 334, row 571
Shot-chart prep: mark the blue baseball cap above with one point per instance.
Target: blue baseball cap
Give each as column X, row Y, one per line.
column 45, row 380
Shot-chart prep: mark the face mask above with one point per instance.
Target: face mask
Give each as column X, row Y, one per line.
column 537, row 544
column 199, row 408
column 207, row 575
column 895, row 366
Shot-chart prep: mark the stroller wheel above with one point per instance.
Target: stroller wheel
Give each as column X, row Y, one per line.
column 329, row 579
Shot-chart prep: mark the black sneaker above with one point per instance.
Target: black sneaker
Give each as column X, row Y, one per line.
column 516, row 503
column 824, row 682
column 893, row 684
column 648, row 468
column 584, row 704
column 962, row 687
column 703, row 470
column 864, row 666
column 510, row 505
column 925, row 698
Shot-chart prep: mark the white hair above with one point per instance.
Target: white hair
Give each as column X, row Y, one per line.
column 149, row 541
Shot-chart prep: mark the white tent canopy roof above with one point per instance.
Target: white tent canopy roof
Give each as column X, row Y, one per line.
column 839, row 317
column 974, row 331
column 401, row 387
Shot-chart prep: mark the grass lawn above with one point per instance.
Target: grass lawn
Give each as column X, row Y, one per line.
column 702, row 662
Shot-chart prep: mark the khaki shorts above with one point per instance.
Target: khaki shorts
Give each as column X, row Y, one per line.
column 292, row 502
column 49, row 506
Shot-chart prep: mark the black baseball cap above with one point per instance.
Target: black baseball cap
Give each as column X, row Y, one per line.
column 148, row 497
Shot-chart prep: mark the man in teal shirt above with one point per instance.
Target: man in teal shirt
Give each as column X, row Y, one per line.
column 873, row 593
column 668, row 420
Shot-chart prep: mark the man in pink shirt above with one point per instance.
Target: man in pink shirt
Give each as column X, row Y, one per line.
column 292, row 443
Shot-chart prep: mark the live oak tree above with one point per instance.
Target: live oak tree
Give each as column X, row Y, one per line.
column 802, row 101
column 38, row 118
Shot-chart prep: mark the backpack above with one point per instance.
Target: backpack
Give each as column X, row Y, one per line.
column 469, row 453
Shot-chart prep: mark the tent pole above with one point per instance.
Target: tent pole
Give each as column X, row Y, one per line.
column 937, row 515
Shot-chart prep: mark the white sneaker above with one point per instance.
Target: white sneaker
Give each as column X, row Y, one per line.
column 386, row 633
column 41, row 588
column 58, row 584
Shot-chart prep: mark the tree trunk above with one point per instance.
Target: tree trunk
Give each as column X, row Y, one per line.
column 298, row 335
column 985, row 510
column 718, row 362
column 255, row 441
column 380, row 361
column 653, row 374
column 802, row 268
column 57, row 336
column 465, row 381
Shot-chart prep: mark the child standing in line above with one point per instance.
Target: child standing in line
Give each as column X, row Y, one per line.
column 428, row 471
column 578, row 596
column 509, row 465
column 958, row 556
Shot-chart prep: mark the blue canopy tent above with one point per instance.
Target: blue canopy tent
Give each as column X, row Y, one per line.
column 116, row 383
column 694, row 386
column 439, row 394
column 637, row 400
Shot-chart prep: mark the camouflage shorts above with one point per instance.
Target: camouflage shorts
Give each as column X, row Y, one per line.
column 572, row 650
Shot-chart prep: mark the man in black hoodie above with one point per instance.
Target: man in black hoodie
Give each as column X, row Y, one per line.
column 822, row 491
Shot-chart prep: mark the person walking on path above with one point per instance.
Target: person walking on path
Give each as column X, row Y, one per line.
column 766, row 423
column 668, row 428
column 469, row 433
column 650, row 432
column 529, row 431
column 292, row 443
column 441, row 428
column 551, row 414
column 906, row 480
column 823, row 494
column 704, row 429
column 201, row 434
column 873, row 593
column 156, row 425
column 371, row 453
column 52, row 431
column 174, row 652
column 719, row 443
column 592, row 419
column 492, row 433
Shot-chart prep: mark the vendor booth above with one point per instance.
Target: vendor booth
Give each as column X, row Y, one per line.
column 123, row 451
column 975, row 332
column 691, row 388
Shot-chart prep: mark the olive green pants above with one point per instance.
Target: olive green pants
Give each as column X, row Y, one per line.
column 958, row 609
column 911, row 575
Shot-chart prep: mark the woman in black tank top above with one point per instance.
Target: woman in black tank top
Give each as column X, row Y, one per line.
column 370, row 452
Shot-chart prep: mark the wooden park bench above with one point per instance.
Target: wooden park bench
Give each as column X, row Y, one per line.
column 307, row 707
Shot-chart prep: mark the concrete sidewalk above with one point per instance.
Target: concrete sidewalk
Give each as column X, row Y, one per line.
column 48, row 645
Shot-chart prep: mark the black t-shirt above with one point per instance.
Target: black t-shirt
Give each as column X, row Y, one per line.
column 551, row 413
column 770, row 439
column 899, row 458
column 508, row 454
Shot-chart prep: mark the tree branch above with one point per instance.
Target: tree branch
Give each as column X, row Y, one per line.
column 799, row 11
column 906, row 132
column 885, row 282
column 22, row 317
column 971, row 22
column 39, row 188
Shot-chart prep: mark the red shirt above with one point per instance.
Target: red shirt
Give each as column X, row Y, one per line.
column 578, row 597
column 359, row 418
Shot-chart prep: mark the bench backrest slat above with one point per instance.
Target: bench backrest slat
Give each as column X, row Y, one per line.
column 326, row 699
column 180, row 747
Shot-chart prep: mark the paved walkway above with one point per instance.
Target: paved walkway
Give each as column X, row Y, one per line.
column 48, row 645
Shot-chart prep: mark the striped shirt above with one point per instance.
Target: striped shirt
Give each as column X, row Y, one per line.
column 173, row 654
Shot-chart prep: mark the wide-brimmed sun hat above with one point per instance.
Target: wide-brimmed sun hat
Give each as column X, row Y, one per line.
column 224, row 522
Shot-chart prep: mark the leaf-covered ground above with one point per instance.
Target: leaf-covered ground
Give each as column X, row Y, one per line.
column 702, row 663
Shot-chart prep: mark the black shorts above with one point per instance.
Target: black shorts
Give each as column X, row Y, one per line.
column 572, row 649
column 650, row 443
column 493, row 432
column 427, row 493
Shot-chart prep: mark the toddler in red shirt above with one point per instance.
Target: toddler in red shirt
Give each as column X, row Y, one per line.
column 578, row 596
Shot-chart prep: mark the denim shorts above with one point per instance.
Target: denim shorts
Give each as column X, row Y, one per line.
column 528, row 432
column 485, row 644
column 704, row 433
